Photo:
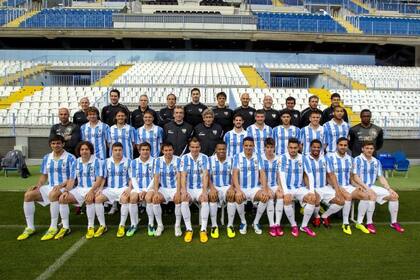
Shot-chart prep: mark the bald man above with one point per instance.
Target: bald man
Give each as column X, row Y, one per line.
column 67, row 129
column 80, row 117
column 272, row 117
column 247, row 112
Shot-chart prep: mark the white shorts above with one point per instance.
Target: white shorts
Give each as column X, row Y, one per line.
column 221, row 194
column 113, row 194
column 349, row 188
column 138, row 190
column 381, row 193
column 250, row 193
column 326, row 193
column 274, row 189
column 168, row 194
column 79, row 194
column 195, row 194
column 45, row 191
column 298, row 194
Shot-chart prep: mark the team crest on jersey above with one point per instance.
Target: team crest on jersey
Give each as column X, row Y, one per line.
column 226, row 113
column 251, row 113
column 214, row 132
column 200, row 110
column 274, row 115
column 170, row 131
column 184, row 130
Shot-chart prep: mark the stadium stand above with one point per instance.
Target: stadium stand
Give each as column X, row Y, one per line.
column 387, row 25
column 7, row 15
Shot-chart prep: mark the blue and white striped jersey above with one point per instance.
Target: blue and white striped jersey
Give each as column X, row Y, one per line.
column 234, row 142
column 259, row 136
column 167, row 172
column 220, row 172
column 86, row 173
column 195, row 169
column 98, row 136
column 141, row 173
column 316, row 169
column 333, row 132
column 282, row 135
column 341, row 166
column 291, row 171
column 307, row 134
column 367, row 170
column 153, row 136
column 249, row 176
column 58, row 171
column 127, row 135
column 271, row 168
column 117, row 174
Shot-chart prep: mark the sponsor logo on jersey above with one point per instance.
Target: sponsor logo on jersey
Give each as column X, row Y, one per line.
column 184, row 130
column 214, row 132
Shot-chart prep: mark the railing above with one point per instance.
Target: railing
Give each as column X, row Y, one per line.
column 264, row 73
column 68, row 22
column 105, row 67
column 300, row 25
column 386, row 28
column 289, row 82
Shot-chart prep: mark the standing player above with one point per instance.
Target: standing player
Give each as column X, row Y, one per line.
column 327, row 114
column 194, row 185
column 109, row 111
column 151, row 134
column 117, row 176
column 55, row 169
column 80, row 117
column 311, row 132
column 272, row 118
column 335, row 129
column 247, row 112
column 222, row 114
column 259, row 131
column 304, row 115
column 291, row 177
column 221, row 189
column 368, row 169
column 85, row 180
column 167, row 114
column 284, row 132
column 123, row 133
column 96, row 132
column 195, row 108
column 235, row 137
column 137, row 116
column 295, row 114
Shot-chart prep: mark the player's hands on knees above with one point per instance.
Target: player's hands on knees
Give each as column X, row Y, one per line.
column 57, row 188
column 241, row 195
column 33, row 188
column 204, row 197
column 90, row 196
column 394, row 194
column 213, row 194
column 142, row 196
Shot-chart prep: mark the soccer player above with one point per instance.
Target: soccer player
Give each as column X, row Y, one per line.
column 295, row 114
column 250, row 183
column 272, row 118
column 208, row 133
column 96, row 132
column 86, row 178
column 141, row 175
column 166, row 185
column 151, row 134
column 117, row 177
column 335, row 129
column 304, row 115
column 284, row 132
column 367, row 168
column 291, row 178
column 194, row 109
column 247, row 112
column 222, row 114
column 221, row 189
column 271, row 164
column 259, row 131
column 123, row 133
column 109, row 111
column 178, row 132
column 311, row 132
column 80, row 117
column 55, row 169
column 327, row 114
column 235, row 137
column 137, row 116
column 194, row 187
column 315, row 167
column 167, row 114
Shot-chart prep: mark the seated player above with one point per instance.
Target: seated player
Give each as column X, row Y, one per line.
column 315, row 167
column 334, row 129
column 96, row 132
column 250, row 183
column 312, row 131
column 117, row 189
column 141, row 175
column 194, row 188
column 367, row 168
column 123, row 133
column 88, row 172
column 151, row 134
column 235, row 137
column 271, row 164
column 221, row 189
column 291, row 177
column 284, row 132
column 55, row 171
column 166, row 186
column 259, row 131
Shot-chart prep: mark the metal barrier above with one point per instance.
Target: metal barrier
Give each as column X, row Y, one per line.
column 289, row 82
column 386, row 28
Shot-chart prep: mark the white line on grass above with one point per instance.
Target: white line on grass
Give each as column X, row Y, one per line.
column 61, row 260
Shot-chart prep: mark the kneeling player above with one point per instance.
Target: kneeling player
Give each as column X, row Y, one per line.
column 55, row 169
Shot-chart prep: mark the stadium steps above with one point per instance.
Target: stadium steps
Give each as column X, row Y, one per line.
column 109, row 78
column 17, row 21
column 350, row 28
column 343, row 79
column 254, row 79
column 18, row 96
column 25, row 73
column 277, row 3
column 363, row 5
column 325, row 98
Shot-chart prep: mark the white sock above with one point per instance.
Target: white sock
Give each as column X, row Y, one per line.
column 240, row 207
column 213, row 214
column 316, row 211
column 134, row 214
column 307, row 214
column 260, row 210
column 150, row 214
column 290, row 213
column 334, row 208
column 54, row 211
column 64, row 213
column 361, row 211
column 100, row 213
column 29, row 210
column 186, row 214
column 178, row 215
column 393, row 210
column 90, row 213
column 231, row 209
column 346, row 212
column 370, row 211
column 279, row 210
column 157, row 210
column 124, row 214
column 204, row 215
column 270, row 212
